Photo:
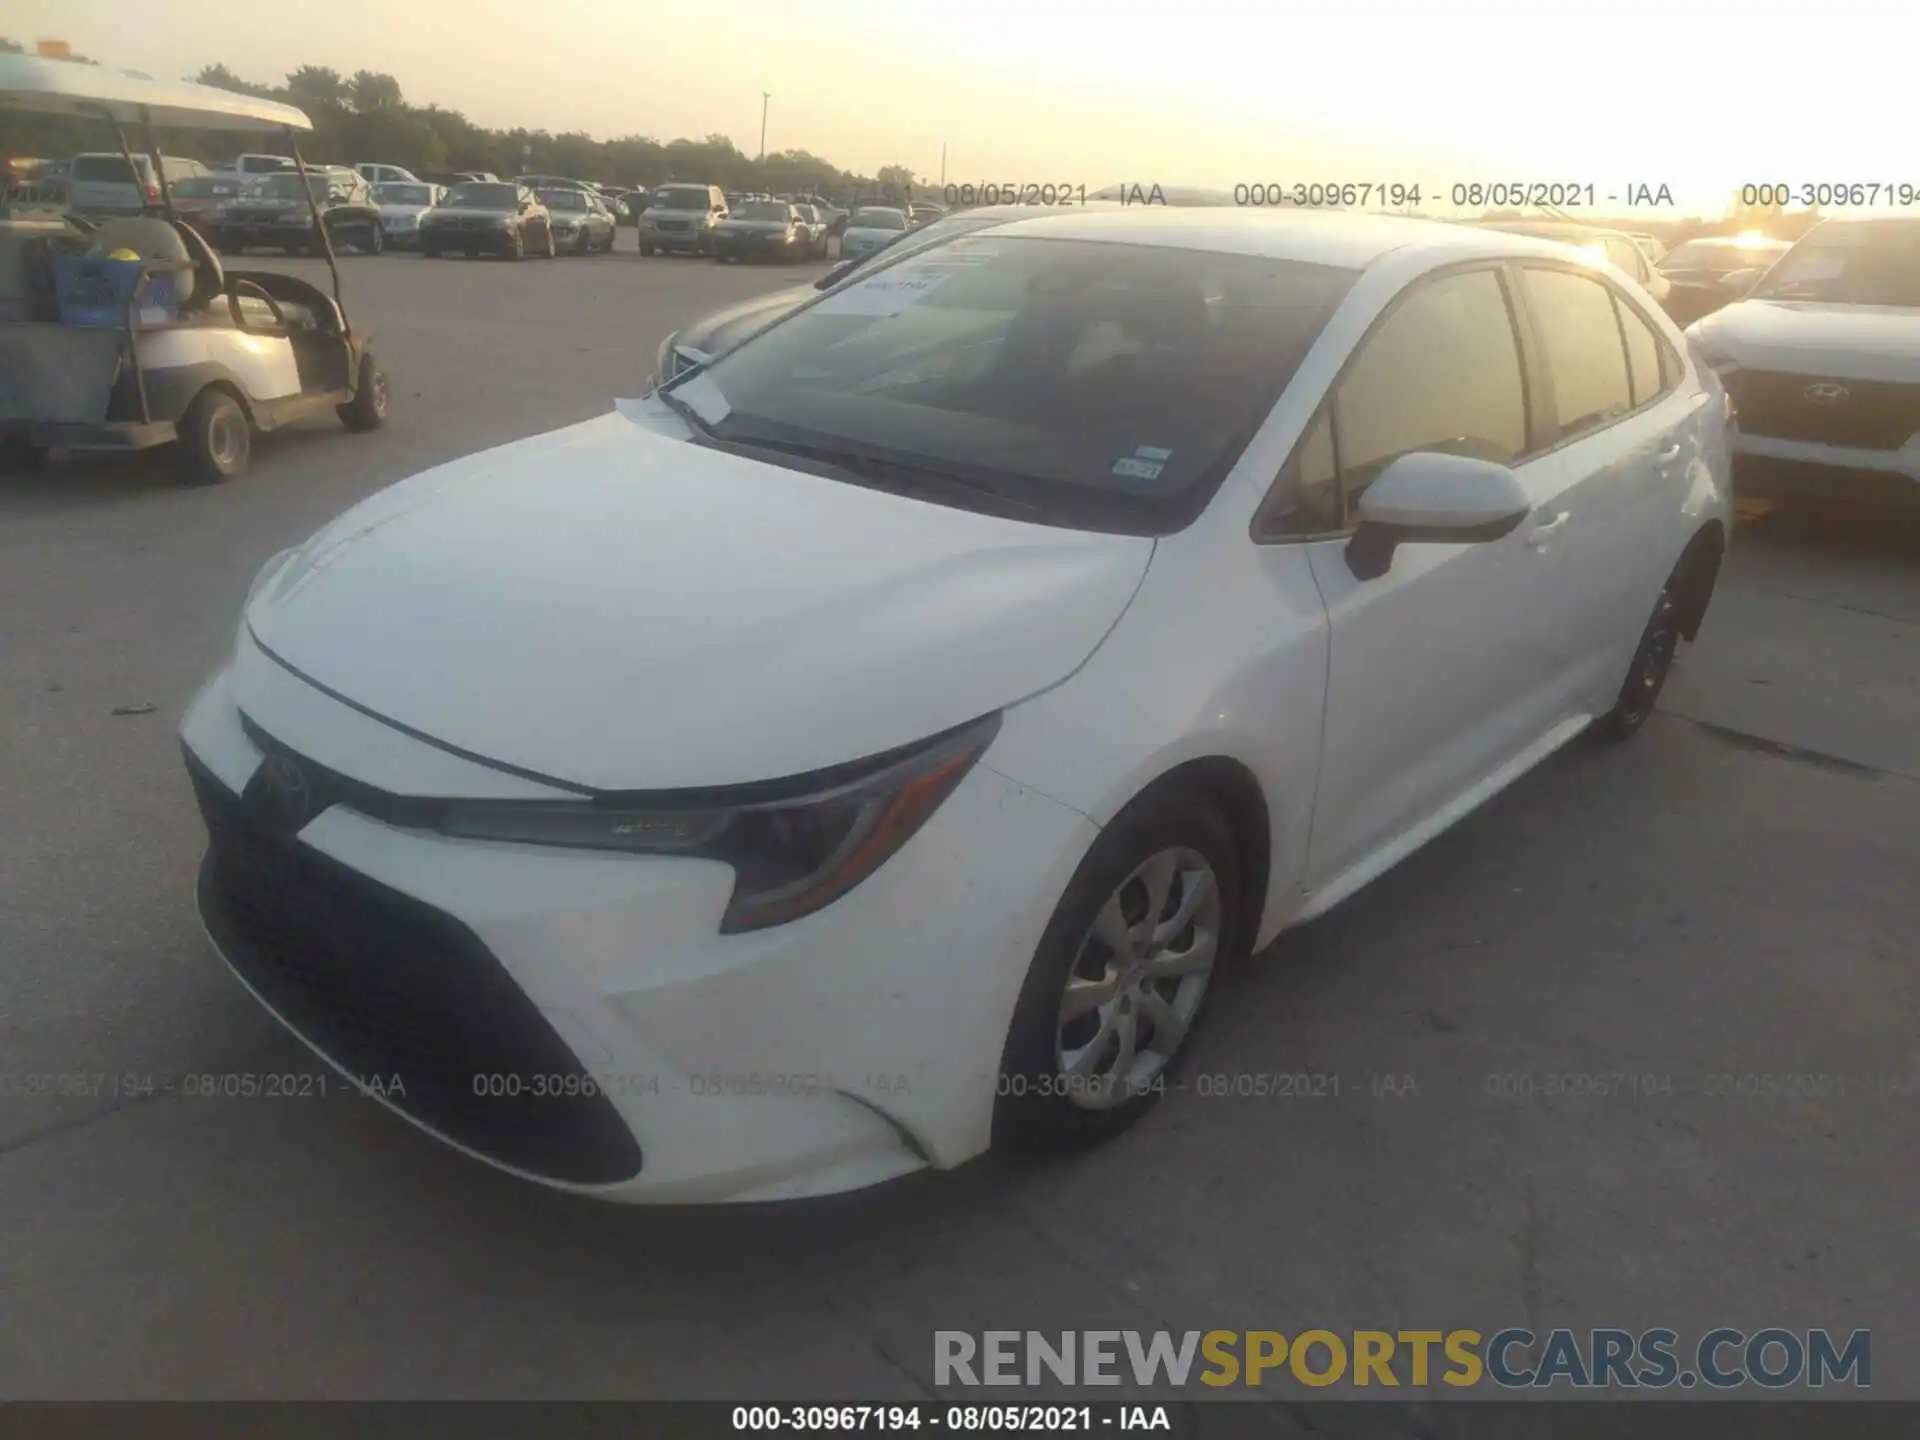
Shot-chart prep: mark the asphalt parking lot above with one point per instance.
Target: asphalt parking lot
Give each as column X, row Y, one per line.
column 1736, row 893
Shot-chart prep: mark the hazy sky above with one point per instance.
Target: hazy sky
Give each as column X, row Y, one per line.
column 1700, row 96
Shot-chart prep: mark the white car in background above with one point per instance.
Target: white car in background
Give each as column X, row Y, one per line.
column 871, row 228
column 401, row 204
column 1822, row 358
column 871, row 745
column 385, row 174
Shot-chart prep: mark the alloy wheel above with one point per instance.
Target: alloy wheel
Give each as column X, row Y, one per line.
column 1138, row 978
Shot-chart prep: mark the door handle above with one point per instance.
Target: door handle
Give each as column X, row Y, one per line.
column 1540, row 534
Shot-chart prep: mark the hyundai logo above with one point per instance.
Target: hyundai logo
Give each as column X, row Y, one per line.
column 1827, row 393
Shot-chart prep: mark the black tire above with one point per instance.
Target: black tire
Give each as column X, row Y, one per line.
column 368, row 408
column 1038, row 1108
column 216, row 438
column 646, row 250
column 430, row 252
column 376, row 241
column 553, row 250
column 517, row 250
column 1647, row 675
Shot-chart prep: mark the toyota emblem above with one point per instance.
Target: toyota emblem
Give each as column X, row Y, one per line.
column 1827, row 393
column 285, row 792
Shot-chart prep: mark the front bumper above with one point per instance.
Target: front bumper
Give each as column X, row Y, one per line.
column 266, row 234
column 491, row 241
column 400, row 237
column 843, row 1049
column 693, row 240
column 1766, row 465
column 757, row 247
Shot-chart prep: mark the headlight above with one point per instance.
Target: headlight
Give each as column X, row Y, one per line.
column 792, row 851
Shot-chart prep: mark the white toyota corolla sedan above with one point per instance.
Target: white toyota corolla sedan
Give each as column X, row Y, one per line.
column 874, row 745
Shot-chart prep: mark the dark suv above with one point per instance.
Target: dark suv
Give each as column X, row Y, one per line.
column 682, row 217
column 272, row 211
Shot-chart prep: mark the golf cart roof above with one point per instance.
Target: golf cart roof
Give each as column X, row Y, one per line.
column 65, row 87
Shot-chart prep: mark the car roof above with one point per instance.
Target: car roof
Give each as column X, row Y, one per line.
column 61, row 87
column 1555, row 229
column 1322, row 237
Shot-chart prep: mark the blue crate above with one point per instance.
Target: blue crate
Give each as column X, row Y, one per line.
column 92, row 290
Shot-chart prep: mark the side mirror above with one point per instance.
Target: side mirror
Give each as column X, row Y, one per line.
column 1737, row 283
column 1429, row 498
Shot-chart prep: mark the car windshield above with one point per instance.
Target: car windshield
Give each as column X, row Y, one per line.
column 483, row 195
column 762, row 210
column 871, row 219
column 1109, row 386
column 110, row 168
column 401, row 193
column 1718, row 256
column 1858, row 264
column 680, row 199
column 563, row 200
column 286, row 187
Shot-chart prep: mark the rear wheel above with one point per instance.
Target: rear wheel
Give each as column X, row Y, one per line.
column 368, row 408
column 216, row 439
column 1120, row 977
column 646, row 250
column 1646, row 676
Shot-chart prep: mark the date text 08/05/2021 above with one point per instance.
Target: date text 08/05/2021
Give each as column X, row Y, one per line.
column 933, row 1415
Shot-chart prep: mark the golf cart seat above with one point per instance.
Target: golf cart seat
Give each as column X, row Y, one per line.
column 155, row 239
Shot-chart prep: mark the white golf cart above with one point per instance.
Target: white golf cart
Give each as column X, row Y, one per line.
column 176, row 349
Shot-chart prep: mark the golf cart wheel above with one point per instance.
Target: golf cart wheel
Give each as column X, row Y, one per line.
column 216, row 438
column 517, row 250
column 376, row 241
column 553, row 249
column 368, row 408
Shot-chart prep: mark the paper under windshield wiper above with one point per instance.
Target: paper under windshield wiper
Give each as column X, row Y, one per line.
column 685, row 411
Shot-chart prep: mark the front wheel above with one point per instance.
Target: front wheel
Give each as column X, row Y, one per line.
column 368, row 408
column 1647, row 675
column 376, row 240
column 216, row 439
column 1117, row 985
column 646, row 251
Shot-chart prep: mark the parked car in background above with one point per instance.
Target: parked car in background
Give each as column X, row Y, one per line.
column 1616, row 247
column 258, row 164
column 582, row 225
column 99, row 185
column 1705, row 274
column 871, row 228
column 1822, row 358
column 272, row 212
column 198, row 200
column 716, row 333
column 552, row 182
column 375, row 174
column 764, row 230
column 446, row 179
column 488, row 217
column 682, row 218
column 819, row 229
column 1228, row 561
column 1651, row 246
column 401, row 204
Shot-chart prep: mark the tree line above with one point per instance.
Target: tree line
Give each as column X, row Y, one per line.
column 365, row 116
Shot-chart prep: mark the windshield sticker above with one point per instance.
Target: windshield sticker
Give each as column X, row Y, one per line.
column 1151, row 452
column 1137, row 469
column 882, row 294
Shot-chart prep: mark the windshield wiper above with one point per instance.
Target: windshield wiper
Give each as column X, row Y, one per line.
column 866, row 465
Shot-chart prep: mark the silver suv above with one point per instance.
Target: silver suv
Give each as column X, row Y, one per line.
column 682, row 217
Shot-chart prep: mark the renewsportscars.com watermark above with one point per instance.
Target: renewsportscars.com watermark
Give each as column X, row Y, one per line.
column 1722, row 1359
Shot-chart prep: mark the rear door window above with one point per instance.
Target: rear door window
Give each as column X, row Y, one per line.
column 1586, row 357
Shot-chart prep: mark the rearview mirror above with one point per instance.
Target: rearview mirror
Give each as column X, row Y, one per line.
column 1429, row 498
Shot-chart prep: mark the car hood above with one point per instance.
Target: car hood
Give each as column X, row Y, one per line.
column 614, row 607
column 1848, row 342
column 722, row 330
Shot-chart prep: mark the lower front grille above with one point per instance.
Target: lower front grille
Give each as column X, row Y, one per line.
column 1866, row 414
column 403, row 996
